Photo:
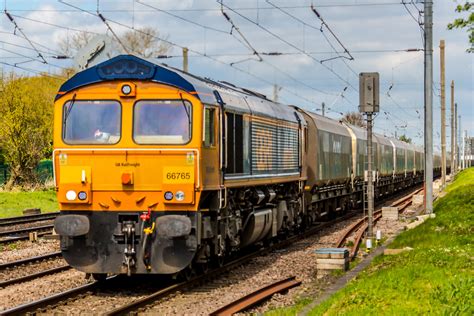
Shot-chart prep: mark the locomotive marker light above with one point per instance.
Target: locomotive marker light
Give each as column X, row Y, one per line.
column 168, row 196
column 369, row 104
column 82, row 196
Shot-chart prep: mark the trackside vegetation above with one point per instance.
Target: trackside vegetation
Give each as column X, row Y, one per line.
column 13, row 203
column 436, row 277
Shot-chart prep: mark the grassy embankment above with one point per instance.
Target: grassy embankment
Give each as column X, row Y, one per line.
column 437, row 277
column 13, row 203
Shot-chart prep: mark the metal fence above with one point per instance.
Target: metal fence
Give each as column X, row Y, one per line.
column 44, row 172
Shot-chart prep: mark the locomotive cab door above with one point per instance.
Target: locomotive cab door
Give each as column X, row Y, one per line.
column 210, row 148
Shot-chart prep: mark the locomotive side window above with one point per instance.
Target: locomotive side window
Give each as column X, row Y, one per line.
column 162, row 122
column 91, row 122
column 209, row 127
column 235, row 143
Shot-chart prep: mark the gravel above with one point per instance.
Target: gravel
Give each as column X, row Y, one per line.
column 297, row 260
column 26, row 249
column 24, row 270
column 18, row 294
column 26, row 225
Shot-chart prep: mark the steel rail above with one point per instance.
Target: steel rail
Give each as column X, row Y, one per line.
column 22, row 231
column 147, row 300
column 35, row 275
column 401, row 203
column 360, row 234
column 29, row 260
column 14, row 239
column 9, row 221
column 256, row 297
column 51, row 300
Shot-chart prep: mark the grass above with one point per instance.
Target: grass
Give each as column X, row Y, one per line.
column 13, row 203
column 437, row 277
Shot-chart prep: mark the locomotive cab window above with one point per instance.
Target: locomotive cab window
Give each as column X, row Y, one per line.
column 209, row 127
column 162, row 122
column 91, row 122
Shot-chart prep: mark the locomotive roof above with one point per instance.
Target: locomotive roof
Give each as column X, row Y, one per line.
column 130, row 67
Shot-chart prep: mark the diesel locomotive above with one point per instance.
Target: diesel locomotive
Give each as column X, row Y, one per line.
column 159, row 171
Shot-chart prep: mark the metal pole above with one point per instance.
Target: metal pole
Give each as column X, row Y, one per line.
column 370, row 185
column 452, row 127
column 428, row 8
column 464, row 165
column 459, row 139
column 185, row 59
column 323, row 106
column 443, row 114
column 455, row 135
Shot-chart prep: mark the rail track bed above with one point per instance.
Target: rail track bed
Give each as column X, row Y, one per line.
column 15, row 229
column 358, row 229
column 11, row 221
column 28, row 269
column 203, row 294
column 116, row 297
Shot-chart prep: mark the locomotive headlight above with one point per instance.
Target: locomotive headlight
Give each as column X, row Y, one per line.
column 179, row 195
column 71, row 195
column 126, row 89
column 168, row 196
column 82, row 196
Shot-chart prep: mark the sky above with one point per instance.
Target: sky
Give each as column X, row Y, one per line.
column 307, row 60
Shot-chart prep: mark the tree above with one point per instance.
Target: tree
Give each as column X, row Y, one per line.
column 405, row 139
column 354, row 118
column 467, row 22
column 141, row 41
column 26, row 116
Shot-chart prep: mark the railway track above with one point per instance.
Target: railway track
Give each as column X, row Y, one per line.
column 256, row 297
column 10, row 221
column 114, row 285
column 14, row 235
column 23, row 263
column 361, row 225
column 12, row 264
column 136, row 305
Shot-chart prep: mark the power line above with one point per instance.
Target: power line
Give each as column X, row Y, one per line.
column 324, row 35
column 249, row 46
column 199, row 53
column 180, row 17
column 323, row 23
column 10, row 17
column 30, row 70
column 286, row 42
column 302, row 7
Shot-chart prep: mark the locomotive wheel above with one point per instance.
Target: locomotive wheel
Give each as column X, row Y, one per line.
column 203, row 268
column 188, row 273
column 99, row 277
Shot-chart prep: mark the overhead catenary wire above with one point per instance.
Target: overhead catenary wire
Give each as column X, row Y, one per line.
column 247, row 43
column 323, row 23
column 12, row 20
column 211, row 9
column 287, row 42
column 30, row 70
column 199, row 53
column 167, row 12
column 325, row 37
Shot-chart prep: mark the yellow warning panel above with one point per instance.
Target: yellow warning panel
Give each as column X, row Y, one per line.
column 178, row 175
column 75, row 174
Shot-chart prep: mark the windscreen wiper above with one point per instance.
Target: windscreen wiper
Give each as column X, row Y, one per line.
column 66, row 115
column 185, row 108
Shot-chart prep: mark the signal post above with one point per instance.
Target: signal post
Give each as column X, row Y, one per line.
column 369, row 104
